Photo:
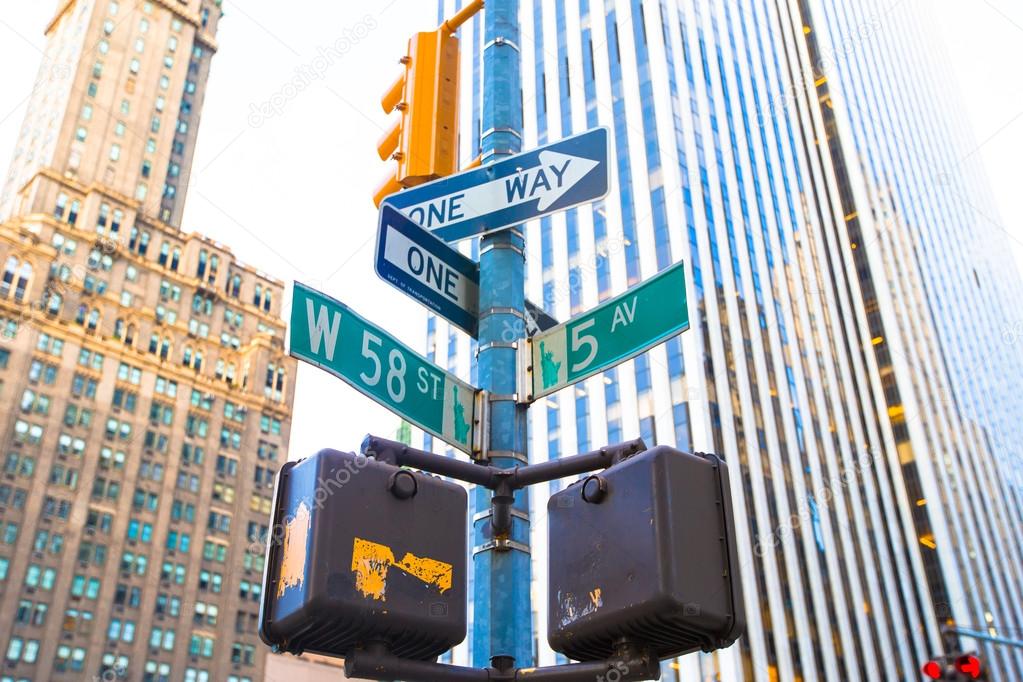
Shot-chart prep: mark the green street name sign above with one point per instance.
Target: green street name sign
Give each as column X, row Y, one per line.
column 326, row 333
column 613, row 332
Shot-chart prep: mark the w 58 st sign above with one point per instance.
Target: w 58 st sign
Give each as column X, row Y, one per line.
column 327, row 333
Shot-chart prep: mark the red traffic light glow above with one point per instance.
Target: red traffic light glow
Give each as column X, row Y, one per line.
column 968, row 665
column 932, row 670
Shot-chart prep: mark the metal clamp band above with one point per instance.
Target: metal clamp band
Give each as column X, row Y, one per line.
column 513, row 345
column 487, row 513
column 511, row 247
column 502, row 42
column 502, row 310
column 509, row 454
column 503, row 398
column 496, row 153
column 502, row 545
column 512, row 131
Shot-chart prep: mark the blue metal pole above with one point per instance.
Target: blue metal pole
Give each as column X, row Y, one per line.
column 502, row 613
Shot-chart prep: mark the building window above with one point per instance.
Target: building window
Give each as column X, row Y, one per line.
column 16, row 275
column 60, row 206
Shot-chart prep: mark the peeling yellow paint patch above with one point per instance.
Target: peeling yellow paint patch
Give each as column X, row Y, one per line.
column 371, row 563
column 430, row 571
column 296, row 539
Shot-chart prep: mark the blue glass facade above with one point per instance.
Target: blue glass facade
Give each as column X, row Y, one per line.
column 820, row 361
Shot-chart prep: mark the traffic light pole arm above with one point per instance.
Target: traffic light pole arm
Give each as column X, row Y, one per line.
column 462, row 16
column 983, row 636
column 375, row 663
column 496, row 478
column 399, row 454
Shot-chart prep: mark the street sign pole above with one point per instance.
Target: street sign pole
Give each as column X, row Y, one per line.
column 502, row 623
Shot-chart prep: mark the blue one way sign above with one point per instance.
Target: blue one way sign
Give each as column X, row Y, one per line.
column 539, row 182
column 448, row 283
column 427, row 269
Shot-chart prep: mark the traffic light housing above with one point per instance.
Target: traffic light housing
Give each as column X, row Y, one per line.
column 362, row 551
column 954, row 668
column 424, row 139
column 969, row 666
column 645, row 551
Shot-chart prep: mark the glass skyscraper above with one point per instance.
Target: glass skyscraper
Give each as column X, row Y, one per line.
column 849, row 290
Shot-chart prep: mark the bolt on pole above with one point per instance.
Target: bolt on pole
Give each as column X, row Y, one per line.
column 502, row 623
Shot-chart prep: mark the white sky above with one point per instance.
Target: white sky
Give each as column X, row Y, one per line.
column 291, row 195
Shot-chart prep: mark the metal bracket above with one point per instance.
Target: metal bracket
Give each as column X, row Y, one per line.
column 503, row 398
column 524, row 372
column 501, row 545
column 480, row 434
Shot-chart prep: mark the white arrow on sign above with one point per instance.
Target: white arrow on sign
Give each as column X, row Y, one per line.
column 548, row 182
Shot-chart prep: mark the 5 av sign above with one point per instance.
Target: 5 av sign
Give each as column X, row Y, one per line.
column 611, row 333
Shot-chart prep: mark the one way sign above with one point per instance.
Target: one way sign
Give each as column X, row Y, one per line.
column 419, row 264
column 539, row 182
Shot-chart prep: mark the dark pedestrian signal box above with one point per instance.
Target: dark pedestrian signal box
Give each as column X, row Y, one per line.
column 361, row 551
column 645, row 551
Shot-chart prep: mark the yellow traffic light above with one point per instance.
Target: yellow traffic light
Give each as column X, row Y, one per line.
column 424, row 141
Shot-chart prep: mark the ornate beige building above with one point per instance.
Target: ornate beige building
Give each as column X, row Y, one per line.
column 145, row 394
